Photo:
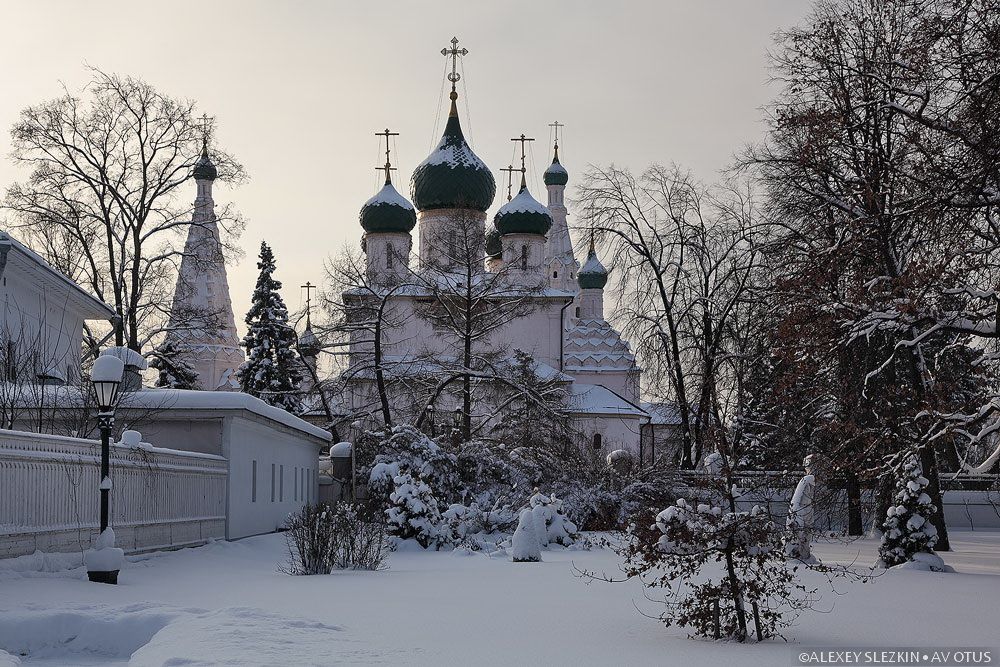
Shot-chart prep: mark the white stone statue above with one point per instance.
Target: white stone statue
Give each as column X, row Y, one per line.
column 800, row 517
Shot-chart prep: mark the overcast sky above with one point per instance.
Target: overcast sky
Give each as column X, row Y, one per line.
column 299, row 88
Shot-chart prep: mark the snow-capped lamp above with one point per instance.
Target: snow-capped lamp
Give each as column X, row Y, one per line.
column 106, row 376
column 104, row 561
column 387, row 218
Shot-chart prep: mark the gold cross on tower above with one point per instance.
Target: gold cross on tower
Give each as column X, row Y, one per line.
column 388, row 165
column 308, row 287
column 510, row 178
column 207, row 122
column 555, row 126
column 523, row 139
column 454, row 52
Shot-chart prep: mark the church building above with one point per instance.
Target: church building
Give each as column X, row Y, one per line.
column 522, row 256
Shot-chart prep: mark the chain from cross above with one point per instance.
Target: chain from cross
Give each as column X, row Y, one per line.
column 454, row 52
column 510, row 178
column 207, row 122
column 556, row 125
column 388, row 168
column 308, row 287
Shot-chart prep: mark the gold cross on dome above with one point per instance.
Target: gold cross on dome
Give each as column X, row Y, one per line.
column 388, row 168
column 510, row 178
column 308, row 287
column 556, row 125
column 523, row 139
column 207, row 123
column 454, row 52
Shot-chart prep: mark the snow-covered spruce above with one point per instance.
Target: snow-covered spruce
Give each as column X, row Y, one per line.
column 907, row 532
column 270, row 371
column 525, row 545
column 173, row 371
column 413, row 512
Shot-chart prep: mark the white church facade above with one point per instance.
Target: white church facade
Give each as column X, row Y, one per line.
column 523, row 255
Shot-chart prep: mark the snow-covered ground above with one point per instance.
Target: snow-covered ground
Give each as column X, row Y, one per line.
column 227, row 603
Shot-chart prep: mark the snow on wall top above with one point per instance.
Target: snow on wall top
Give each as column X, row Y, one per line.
column 186, row 399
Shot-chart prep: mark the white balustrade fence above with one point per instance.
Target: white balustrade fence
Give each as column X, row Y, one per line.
column 49, row 498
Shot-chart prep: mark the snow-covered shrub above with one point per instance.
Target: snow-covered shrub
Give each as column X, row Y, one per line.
column 359, row 538
column 724, row 571
column 466, row 521
column 552, row 524
column 525, row 545
column 413, row 512
column 598, row 499
column 405, row 450
column 907, row 529
column 321, row 538
column 309, row 538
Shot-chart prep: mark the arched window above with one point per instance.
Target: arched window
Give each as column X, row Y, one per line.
column 390, row 255
column 524, row 257
column 578, row 311
column 555, row 274
column 598, row 442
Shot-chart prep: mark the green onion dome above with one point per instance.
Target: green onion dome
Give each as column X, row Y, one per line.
column 523, row 215
column 309, row 345
column 388, row 211
column 204, row 168
column 556, row 174
column 592, row 274
column 452, row 176
column 493, row 246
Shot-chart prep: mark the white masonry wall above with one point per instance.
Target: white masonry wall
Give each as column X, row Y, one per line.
column 49, row 498
column 273, row 472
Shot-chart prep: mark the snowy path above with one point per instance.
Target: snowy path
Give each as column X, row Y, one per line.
column 227, row 604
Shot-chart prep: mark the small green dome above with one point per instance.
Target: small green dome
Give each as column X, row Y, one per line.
column 592, row 274
column 493, row 246
column 556, row 174
column 388, row 211
column 204, row 168
column 523, row 215
column 452, row 176
column 309, row 345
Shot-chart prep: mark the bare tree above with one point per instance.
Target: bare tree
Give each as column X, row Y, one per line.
column 361, row 312
column 469, row 308
column 102, row 203
column 686, row 260
column 881, row 155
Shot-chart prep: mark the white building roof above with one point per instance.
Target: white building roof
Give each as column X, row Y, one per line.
column 188, row 399
column 598, row 400
column 14, row 253
column 666, row 414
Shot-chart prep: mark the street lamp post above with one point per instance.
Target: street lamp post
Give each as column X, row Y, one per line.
column 106, row 376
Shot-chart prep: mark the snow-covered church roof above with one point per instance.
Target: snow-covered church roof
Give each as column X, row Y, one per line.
column 452, row 176
column 594, row 345
column 388, row 211
column 523, row 215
